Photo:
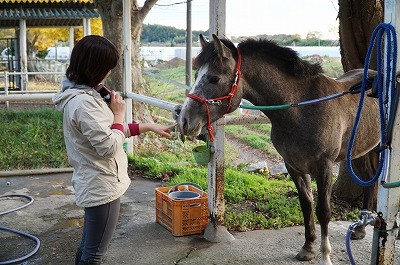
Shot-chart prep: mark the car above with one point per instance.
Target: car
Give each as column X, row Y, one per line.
column 58, row 53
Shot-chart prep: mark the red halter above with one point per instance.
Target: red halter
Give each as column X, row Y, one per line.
column 218, row 100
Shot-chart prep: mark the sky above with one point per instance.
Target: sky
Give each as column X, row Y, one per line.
column 254, row 17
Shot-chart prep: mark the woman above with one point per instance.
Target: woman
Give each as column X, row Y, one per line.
column 94, row 133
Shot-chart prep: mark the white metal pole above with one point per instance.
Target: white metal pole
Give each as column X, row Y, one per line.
column 127, row 75
column 388, row 199
column 188, row 45
column 214, row 231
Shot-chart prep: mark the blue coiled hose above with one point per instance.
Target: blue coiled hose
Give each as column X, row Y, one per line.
column 391, row 56
column 35, row 239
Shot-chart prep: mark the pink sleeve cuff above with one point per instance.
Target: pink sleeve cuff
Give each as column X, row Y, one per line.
column 118, row 126
column 134, row 128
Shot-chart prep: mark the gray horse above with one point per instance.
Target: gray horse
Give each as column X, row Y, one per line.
column 309, row 138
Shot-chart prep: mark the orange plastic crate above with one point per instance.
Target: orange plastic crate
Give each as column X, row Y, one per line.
column 182, row 217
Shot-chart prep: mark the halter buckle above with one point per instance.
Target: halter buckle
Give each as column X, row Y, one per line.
column 214, row 102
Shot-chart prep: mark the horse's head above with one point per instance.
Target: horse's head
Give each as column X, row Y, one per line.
column 216, row 90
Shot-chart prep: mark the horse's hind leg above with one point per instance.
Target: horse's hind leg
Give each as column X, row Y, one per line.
column 303, row 185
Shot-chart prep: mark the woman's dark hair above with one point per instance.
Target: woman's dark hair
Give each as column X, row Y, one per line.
column 91, row 59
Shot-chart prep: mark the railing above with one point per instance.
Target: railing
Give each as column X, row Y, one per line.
column 34, row 79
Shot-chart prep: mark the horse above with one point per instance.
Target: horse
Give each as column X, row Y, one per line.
column 310, row 138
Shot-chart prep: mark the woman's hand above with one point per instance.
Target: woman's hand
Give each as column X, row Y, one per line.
column 163, row 130
column 117, row 106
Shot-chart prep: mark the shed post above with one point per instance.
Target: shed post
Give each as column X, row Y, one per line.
column 388, row 199
column 71, row 39
column 23, row 53
column 214, row 231
column 86, row 27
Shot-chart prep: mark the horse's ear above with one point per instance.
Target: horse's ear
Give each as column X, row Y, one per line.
column 222, row 50
column 203, row 41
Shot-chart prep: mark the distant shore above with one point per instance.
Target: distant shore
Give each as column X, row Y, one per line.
column 330, row 51
column 150, row 53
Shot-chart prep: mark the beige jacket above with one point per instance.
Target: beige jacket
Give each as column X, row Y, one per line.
column 94, row 150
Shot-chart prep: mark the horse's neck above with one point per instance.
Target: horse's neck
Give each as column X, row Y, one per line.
column 265, row 89
column 270, row 88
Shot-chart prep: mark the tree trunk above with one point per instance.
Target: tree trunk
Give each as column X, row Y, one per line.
column 140, row 110
column 111, row 16
column 358, row 19
column 346, row 189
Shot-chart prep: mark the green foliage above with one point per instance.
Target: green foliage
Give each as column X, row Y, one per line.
column 312, row 39
column 165, row 34
column 275, row 202
column 32, row 139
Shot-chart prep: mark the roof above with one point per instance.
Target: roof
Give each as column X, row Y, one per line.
column 41, row 13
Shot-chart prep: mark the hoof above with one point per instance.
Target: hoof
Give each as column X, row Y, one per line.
column 358, row 233
column 325, row 262
column 305, row 255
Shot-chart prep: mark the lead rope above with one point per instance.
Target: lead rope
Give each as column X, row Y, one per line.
column 390, row 86
column 385, row 121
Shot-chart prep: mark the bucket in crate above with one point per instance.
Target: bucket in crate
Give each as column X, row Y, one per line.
column 182, row 209
column 182, row 192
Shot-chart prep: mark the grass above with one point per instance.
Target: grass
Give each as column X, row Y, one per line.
column 34, row 139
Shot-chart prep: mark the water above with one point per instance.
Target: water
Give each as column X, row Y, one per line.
column 167, row 53
column 330, row 51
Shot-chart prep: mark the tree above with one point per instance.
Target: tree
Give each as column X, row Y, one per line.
column 111, row 16
column 358, row 19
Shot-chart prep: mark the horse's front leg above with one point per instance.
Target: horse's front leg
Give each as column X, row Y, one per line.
column 323, row 178
column 303, row 185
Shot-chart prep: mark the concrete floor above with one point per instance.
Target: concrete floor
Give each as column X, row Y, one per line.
column 56, row 221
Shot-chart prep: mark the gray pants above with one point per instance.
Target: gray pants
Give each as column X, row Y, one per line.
column 99, row 226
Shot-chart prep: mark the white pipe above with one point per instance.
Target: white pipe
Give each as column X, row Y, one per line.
column 35, row 73
column 26, row 97
column 152, row 101
column 28, row 92
column 41, row 171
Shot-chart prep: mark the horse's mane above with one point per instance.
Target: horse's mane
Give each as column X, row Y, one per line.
column 286, row 59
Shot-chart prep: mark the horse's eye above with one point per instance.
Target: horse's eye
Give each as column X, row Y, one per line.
column 214, row 79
